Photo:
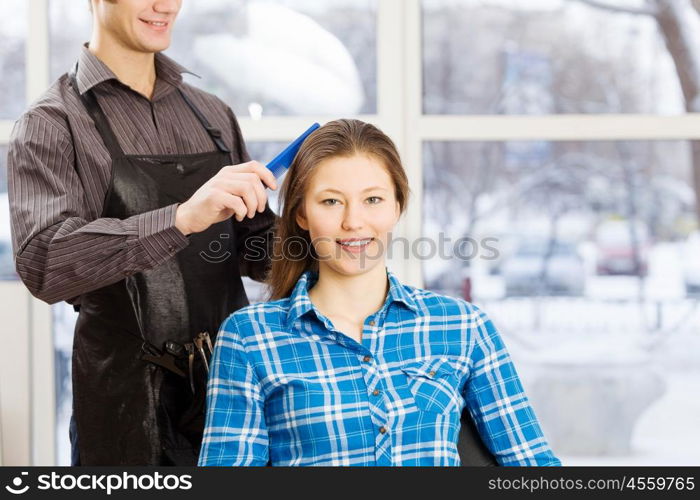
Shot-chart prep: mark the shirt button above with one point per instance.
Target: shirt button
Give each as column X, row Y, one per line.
column 367, row 359
column 382, row 430
column 376, row 392
column 432, row 374
column 171, row 248
column 372, row 323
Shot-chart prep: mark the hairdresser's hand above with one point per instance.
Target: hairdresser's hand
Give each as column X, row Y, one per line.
column 237, row 190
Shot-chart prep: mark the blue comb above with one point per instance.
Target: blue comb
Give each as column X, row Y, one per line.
column 283, row 161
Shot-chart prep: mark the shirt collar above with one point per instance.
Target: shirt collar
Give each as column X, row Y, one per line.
column 300, row 303
column 92, row 71
column 398, row 293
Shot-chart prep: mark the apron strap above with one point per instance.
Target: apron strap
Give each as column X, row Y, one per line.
column 213, row 132
column 98, row 116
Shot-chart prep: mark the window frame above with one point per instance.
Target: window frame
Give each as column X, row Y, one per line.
column 399, row 113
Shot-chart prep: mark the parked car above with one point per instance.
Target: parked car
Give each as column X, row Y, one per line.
column 565, row 272
column 616, row 251
column 449, row 282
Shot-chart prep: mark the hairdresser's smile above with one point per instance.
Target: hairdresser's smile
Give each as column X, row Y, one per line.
column 156, row 25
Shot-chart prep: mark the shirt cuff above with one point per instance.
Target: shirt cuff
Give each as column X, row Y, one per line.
column 158, row 235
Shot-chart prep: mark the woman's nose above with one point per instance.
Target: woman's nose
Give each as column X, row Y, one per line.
column 353, row 218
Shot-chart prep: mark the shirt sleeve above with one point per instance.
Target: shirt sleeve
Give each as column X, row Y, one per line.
column 254, row 237
column 60, row 251
column 497, row 402
column 235, row 432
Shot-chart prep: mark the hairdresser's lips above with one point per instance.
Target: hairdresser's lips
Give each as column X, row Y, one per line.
column 155, row 25
column 355, row 245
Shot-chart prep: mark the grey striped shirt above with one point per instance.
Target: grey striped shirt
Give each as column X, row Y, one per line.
column 59, row 171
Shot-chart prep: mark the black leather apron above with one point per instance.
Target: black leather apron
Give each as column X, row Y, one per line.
column 134, row 402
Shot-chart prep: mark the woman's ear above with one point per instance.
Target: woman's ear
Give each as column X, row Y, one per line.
column 301, row 219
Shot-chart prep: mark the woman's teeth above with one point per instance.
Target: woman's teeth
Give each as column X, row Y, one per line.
column 355, row 243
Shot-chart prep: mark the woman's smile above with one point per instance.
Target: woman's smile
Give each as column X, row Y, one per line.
column 354, row 245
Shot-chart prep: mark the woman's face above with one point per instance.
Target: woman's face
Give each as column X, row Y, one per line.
column 349, row 210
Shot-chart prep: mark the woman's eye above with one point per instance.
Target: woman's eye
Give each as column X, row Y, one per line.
column 373, row 200
column 330, row 202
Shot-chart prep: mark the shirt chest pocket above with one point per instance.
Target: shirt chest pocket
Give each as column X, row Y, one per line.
column 434, row 384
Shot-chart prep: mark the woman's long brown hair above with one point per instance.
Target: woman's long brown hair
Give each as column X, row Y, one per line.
column 340, row 138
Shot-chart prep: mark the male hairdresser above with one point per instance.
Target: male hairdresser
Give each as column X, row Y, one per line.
column 133, row 198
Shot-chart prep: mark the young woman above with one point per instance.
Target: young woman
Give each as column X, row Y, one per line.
column 347, row 366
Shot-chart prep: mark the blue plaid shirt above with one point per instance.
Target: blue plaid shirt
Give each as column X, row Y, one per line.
column 287, row 388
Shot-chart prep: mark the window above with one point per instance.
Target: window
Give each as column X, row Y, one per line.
column 63, row 324
column 545, row 57
column 584, row 254
column 13, row 32
column 286, row 57
column 616, row 217
column 627, row 209
column 69, row 28
column 7, row 263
